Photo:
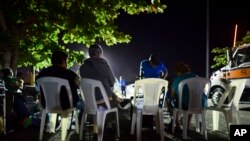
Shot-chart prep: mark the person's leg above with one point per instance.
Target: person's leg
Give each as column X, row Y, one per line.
column 177, row 123
column 110, row 119
column 10, row 116
column 21, row 111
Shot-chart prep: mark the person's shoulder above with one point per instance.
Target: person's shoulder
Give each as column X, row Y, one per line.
column 161, row 64
column 97, row 60
column 191, row 74
column 144, row 62
column 71, row 72
column 44, row 71
column 6, row 78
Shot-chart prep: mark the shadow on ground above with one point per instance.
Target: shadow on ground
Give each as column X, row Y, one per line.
column 32, row 133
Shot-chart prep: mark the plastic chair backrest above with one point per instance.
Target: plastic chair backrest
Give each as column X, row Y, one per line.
column 151, row 89
column 51, row 87
column 197, row 86
column 88, row 87
column 233, row 93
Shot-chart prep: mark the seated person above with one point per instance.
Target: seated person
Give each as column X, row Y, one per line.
column 14, row 100
column 20, row 81
column 96, row 67
column 183, row 72
column 59, row 69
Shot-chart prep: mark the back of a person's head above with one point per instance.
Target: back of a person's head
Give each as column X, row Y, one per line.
column 95, row 50
column 7, row 72
column 182, row 68
column 154, row 59
column 58, row 57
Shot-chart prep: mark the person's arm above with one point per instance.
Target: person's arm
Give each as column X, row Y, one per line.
column 111, row 77
column 164, row 71
column 20, row 83
column 174, row 88
column 164, row 75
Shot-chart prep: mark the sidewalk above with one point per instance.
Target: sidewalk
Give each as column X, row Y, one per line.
column 32, row 133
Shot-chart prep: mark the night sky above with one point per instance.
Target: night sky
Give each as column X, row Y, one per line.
column 178, row 35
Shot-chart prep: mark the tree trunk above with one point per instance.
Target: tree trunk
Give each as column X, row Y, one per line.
column 6, row 57
column 14, row 58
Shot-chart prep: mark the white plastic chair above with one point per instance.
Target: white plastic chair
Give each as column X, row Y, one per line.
column 197, row 86
column 233, row 93
column 51, row 87
column 3, row 96
column 88, row 87
column 151, row 89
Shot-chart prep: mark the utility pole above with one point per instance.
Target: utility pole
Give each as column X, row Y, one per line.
column 207, row 41
column 235, row 35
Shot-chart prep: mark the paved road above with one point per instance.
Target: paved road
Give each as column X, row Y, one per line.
column 32, row 133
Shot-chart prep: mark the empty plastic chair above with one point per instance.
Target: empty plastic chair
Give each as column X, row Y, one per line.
column 233, row 93
column 88, row 87
column 50, row 87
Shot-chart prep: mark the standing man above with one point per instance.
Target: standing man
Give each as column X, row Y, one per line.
column 123, row 86
column 152, row 68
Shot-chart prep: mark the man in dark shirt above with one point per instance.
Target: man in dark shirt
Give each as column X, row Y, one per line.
column 59, row 69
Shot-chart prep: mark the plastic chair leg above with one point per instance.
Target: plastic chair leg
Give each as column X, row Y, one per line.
column 236, row 116
column 197, row 119
column 100, row 124
column 229, row 118
column 132, row 131
column 174, row 120
column 185, row 123
column 138, row 124
column 157, row 123
column 215, row 120
column 95, row 124
column 117, row 124
column 204, row 125
column 161, row 124
column 76, row 122
column 64, row 122
column 53, row 119
column 42, row 125
column 84, row 116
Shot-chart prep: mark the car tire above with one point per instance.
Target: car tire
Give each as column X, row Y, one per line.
column 216, row 95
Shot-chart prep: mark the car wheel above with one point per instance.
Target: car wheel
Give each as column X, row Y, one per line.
column 216, row 95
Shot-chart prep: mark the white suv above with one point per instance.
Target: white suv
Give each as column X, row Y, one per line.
column 238, row 67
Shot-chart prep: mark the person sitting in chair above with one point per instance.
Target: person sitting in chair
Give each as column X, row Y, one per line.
column 59, row 69
column 183, row 72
